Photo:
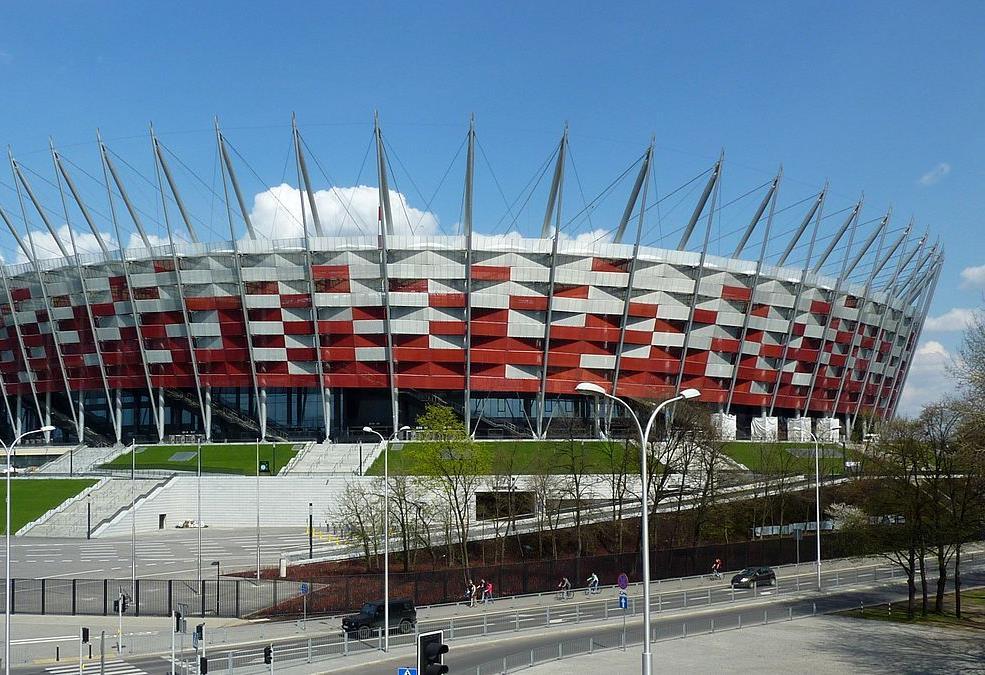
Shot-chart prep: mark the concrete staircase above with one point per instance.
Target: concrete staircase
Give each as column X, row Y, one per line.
column 328, row 458
column 231, row 502
column 107, row 498
column 82, row 459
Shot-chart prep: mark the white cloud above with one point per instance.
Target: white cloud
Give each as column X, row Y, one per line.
column 951, row 321
column 276, row 212
column 929, row 380
column 45, row 246
column 136, row 242
column 935, row 175
column 973, row 277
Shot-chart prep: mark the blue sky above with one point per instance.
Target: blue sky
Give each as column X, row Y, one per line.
column 871, row 96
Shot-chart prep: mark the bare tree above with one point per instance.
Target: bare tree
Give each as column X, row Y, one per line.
column 360, row 510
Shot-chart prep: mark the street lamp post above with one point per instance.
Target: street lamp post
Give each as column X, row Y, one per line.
column 386, row 530
column 8, row 449
column 817, row 499
column 590, row 389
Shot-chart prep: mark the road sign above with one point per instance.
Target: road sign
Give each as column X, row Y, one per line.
column 406, row 670
column 623, row 581
column 623, row 601
column 304, row 588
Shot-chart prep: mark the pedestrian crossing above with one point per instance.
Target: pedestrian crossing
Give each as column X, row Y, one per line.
column 110, row 668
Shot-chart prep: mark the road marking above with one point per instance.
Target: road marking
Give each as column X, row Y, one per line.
column 111, row 668
column 31, row 641
column 77, row 573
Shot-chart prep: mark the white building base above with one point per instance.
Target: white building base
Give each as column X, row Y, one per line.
column 724, row 425
column 765, row 429
column 799, row 429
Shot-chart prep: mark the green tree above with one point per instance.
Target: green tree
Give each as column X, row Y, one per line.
column 456, row 465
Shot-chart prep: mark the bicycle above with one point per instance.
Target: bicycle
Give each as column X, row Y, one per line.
column 592, row 590
column 565, row 595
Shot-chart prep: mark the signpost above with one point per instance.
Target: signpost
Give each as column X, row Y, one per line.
column 304, row 590
column 623, row 582
column 406, row 670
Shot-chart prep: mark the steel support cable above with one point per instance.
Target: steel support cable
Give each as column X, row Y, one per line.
column 403, row 200
column 722, row 236
column 793, row 263
column 499, row 187
column 532, row 187
column 598, row 199
column 427, row 202
column 334, row 185
column 150, row 183
column 262, row 182
column 210, row 190
column 693, row 186
column 581, row 191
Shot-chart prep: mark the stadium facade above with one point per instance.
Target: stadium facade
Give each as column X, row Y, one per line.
column 319, row 336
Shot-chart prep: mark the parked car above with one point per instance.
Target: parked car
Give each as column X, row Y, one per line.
column 754, row 576
column 403, row 616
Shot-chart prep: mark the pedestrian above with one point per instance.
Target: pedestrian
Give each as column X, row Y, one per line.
column 488, row 593
column 716, row 568
column 482, row 590
column 470, row 593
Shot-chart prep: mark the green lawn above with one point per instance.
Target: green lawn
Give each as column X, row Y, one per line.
column 775, row 458
column 33, row 497
column 226, row 458
column 972, row 612
column 527, row 457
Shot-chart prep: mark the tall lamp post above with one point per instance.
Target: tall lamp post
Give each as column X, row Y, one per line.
column 8, row 449
column 216, row 563
column 386, row 529
column 817, row 498
column 591, row 389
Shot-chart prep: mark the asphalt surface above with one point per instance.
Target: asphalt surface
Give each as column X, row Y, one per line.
column 165, row 554
column 480, row 635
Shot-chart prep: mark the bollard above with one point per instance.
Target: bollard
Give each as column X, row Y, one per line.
column 309, row 650
column 57, row 657
column 559, row 651
column 345, row 643
column 684, row 628
column 605, row 609
column 789, row 613
column 813, row 608
column 504, row 665
column 485, row 625
column 531, row 658
column 766, row 618
column 712, row 624
column 516, row 621
column 732, row 589
column 451, row 625
column 740, row 621
column 591, row 647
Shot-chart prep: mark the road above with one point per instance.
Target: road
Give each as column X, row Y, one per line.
column 544, row 624
column 165, row 554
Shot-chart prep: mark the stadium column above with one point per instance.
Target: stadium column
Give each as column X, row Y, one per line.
column 910, row 346
column 386, row 228
column 712, row 191
column 227, row 168
column 642, row 184
column 768, row 201
column 868, row 301
column 467, row 226
column 835, row 294
column 308, row 263
column 118, row 407
column 159, row 166
column 890, row 294
column 49, row 314
column 263, row 412
column 160, row 412
column 60, row 173
column 109, row 169
column 817, row 208
column 208, row 413
column 28, row 370
column 554, row 203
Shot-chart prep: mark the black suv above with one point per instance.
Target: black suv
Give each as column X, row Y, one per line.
column 754, row 576
column 403, row 616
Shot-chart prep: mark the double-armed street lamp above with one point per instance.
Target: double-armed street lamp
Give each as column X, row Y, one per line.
column 817, row 496
column 590, row 389
column 386, row 528
column 8, row 449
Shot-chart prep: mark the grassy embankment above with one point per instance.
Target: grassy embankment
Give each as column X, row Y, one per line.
column 33, row 497
column 236, row 458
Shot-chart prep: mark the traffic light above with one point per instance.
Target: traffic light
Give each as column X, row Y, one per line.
column 200, row 631
column 85, row 635
column 179, row 623
column 203, row 666
column 430, row 653
column 268, row 655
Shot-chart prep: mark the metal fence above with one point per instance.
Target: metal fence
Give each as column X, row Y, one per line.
column 226, row 597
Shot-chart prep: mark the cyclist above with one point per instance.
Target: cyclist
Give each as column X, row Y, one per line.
column 716, row 568
column 593, row 583
column 564, row 589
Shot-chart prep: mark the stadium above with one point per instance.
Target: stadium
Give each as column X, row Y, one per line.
column 315, row 337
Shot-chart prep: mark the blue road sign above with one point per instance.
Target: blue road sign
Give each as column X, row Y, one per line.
column 623, row 602
column 406, row 670
column 623, row 581
column 304, row 589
